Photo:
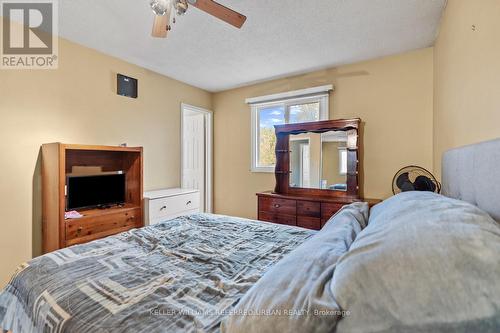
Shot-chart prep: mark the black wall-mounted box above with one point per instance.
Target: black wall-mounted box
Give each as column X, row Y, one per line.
column 126, row 86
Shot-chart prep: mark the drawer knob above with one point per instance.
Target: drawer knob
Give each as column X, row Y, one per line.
column 79, row 230
column 163, row 208
column 188, row 203
column 277, row 206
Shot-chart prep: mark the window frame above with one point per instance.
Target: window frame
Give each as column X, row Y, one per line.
column 322, row 99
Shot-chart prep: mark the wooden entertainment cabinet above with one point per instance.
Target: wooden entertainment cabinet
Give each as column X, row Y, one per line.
column 58, row 160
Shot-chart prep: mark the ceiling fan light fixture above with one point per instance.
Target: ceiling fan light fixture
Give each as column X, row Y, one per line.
column 181, row 7
column 166, row 11
column 161, row 7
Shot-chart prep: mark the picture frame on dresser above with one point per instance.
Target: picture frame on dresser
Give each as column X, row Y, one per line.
column 312, row 206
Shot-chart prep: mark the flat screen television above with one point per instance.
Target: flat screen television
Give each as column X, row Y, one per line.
column 91, row 191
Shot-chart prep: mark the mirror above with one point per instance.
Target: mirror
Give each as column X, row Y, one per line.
column 319, row 160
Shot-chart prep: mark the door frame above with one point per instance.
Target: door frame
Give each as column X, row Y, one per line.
column 208, row 115
column 302, row 141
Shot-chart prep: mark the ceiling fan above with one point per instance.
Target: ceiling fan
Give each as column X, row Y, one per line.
column 167, row 10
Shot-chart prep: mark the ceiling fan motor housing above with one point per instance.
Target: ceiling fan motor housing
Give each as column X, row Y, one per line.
column 181, row 7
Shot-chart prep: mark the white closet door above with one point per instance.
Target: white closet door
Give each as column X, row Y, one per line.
column 193, row 173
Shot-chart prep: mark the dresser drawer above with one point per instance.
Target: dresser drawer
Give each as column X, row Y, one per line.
column 164, row 208
column 308, row 208
column 89, row 228
column 329, row 209
column 278, row 218
column 280, row 206
column 309, row 222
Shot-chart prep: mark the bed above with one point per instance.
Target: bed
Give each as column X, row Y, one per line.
column 419, row 262
column 182, row 274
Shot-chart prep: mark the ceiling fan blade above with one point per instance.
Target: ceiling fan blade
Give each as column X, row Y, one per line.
column 221, row 12
column 160, row 26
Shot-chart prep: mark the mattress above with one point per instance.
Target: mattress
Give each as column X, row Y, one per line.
column 182, row 275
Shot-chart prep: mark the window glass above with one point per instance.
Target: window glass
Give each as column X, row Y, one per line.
column 265, row 116
column 268, row 117
column 302, row 113
column 343, row 161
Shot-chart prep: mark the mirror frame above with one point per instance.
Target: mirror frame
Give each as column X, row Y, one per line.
column 282, row 170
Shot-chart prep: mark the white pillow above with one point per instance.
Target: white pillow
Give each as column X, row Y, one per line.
column 295, row 294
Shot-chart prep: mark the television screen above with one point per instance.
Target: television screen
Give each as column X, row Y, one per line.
column 95, row 191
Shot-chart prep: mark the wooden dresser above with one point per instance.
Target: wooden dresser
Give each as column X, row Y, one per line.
column 311, row 212
column 58, row 161
column 308, row 197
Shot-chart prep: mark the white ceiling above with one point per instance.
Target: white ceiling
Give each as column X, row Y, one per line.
column 280, row 38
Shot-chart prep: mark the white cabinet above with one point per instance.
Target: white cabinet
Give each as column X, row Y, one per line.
column 162, row 205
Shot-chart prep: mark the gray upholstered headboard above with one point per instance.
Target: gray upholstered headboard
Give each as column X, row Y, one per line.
column 472, row 174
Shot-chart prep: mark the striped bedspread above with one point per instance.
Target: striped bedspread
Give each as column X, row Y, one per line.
column 183, row 275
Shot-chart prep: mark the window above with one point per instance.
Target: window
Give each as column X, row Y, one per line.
column 343, row 161
column 285, row 111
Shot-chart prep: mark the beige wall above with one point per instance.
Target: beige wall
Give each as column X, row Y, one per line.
column 467, row 76
column 331, row 162
column 393, row 96
column 78, row 104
